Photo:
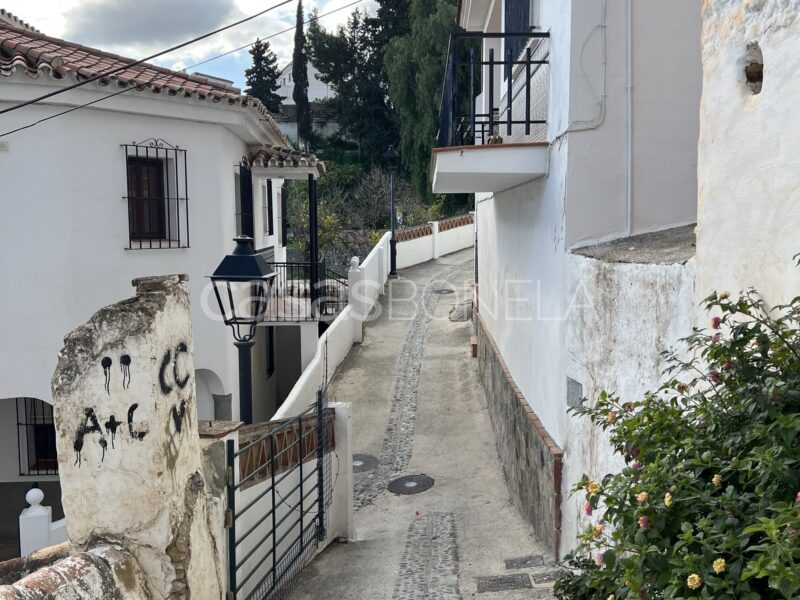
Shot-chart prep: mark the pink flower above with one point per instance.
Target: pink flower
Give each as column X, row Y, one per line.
column 797, row 498
column 715, row 322
column 717, row 337
column 587, row 508
column 637, row 465
column 727, row 366
column 714, row 376
column 644, row 522
column 635, row 452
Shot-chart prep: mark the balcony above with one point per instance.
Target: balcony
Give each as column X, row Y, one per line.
column 493, row 114
column 294, row 298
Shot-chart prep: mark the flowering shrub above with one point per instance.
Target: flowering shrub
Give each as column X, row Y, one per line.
column 708, row 505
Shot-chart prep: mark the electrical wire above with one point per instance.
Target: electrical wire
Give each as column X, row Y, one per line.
column 140, row 61
column 132, row 87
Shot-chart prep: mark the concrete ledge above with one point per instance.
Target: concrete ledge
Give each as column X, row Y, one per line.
column 532, row 462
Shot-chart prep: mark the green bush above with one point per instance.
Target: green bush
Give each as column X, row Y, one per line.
column 707, row 505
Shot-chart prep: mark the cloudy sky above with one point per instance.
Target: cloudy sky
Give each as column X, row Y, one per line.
column 138, row 28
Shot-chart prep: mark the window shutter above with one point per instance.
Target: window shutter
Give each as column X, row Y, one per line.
column 246, row 201
column 517, row 20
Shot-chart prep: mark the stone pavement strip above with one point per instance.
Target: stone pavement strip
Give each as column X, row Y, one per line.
column 419, row 409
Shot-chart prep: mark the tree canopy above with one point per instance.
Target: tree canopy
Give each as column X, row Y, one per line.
column 415, row 66
column 300, row 78
column 262, row 77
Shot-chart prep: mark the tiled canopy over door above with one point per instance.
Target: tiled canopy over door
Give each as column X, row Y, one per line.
column 517, row 20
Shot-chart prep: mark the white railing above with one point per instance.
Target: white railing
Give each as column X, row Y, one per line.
column 366, row 284
column 37, row 529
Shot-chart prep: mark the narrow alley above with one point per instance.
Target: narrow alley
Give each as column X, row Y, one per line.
column 419, row 412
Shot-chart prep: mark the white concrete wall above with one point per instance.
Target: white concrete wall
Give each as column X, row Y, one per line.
column 666, row 84
column 749, row 184
column 439, row 243
column 366, row 284
column 62, row 185
column 622, row 318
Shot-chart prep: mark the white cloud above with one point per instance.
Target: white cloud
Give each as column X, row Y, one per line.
column 138, row 28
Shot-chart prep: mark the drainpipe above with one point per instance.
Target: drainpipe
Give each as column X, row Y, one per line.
column 629, row 124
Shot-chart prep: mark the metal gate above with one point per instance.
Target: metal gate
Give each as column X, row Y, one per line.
column 278, row 489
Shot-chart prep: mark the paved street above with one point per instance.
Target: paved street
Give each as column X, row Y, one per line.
column 419, row 409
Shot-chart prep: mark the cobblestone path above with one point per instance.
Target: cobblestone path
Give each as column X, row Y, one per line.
column 447, row 529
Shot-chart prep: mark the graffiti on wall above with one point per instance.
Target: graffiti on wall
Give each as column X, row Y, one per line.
column 173, row 376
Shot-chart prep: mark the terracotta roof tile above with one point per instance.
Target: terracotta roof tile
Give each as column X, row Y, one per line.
column 277, row 157
column 29, row 51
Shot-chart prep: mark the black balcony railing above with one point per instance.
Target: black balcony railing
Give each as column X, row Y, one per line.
column 295, row 299
column 480, row 103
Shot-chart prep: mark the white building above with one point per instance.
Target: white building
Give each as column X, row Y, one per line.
column 147, row 179
column 317, row 89
column 599, row 144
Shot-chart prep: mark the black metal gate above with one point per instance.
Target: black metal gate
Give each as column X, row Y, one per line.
column 278, row 488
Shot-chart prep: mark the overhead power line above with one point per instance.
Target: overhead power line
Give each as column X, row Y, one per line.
column 132, row 87
column 141, row 60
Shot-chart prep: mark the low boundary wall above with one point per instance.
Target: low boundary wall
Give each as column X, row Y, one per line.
column 432, row 240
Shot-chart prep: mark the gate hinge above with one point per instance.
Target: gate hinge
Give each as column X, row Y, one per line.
column 228, row 519
column 229, row 475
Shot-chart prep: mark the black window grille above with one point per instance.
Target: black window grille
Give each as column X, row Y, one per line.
column 157, row 195
column 270, row 351
column 284, row 220
column 36, row 438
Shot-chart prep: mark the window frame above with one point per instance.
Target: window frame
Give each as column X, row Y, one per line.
column 33, row 425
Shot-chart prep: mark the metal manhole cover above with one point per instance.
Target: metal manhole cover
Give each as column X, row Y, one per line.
column 364, row 462
column 444, row 291
column 410, row 484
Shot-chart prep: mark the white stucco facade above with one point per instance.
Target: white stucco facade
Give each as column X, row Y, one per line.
column 65, row 231
column 624, row 91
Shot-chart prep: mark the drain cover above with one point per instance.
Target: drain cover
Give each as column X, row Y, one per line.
column 444, row 291
column 364, row 462
column 410, row 484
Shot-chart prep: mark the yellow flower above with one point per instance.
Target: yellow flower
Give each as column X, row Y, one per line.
column 642, row 497
column 612, row 417
column 724, row 295
column 694, row 582
column 719, row 566
column 667, row 499
column 611, row 597
column 593, row 488
column 598, row 531
column 717, row 480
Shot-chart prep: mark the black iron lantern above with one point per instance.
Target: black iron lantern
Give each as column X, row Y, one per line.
column 242, row 284
column 392, row 158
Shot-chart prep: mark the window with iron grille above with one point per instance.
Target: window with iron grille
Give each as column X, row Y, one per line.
column 36, row 438
column 518, row 14
column 157, row 196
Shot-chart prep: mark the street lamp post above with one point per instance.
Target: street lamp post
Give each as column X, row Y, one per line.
column 392, row 157
column 242, row 284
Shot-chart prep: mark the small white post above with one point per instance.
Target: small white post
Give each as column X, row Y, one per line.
column 34, row 523
column 435, row 237
column 343, row 492
column 355, row 278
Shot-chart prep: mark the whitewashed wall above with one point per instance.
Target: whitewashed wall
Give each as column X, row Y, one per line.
column 622, row 317
column 749, row 184
column 366, row 284
column 430, row 247
column 65, row 220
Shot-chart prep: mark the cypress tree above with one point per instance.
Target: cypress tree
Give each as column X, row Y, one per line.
column 262, row 77
column 300, row 77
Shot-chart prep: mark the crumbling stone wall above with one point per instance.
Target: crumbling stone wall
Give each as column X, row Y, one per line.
column 129, row 454
column 106, row 572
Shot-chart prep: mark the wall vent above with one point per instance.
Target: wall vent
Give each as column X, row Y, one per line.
column 754, row 67
column 574, row 393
